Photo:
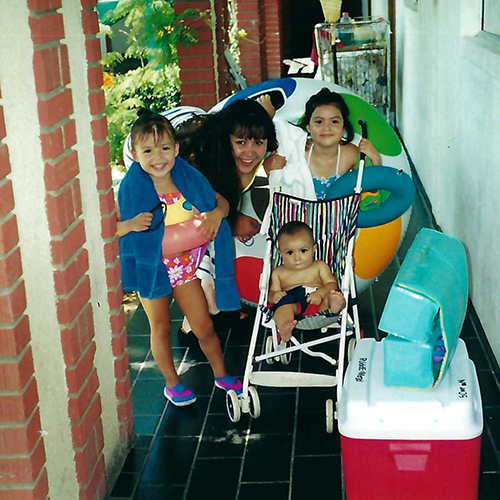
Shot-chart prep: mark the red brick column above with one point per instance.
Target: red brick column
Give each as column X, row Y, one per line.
column 274, row 49
column 260, row 50
column 67, row 229
column 22, row 452
column 65, row 327
column 204, row 73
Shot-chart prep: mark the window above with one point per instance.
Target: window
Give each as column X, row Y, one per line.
column 491, row 16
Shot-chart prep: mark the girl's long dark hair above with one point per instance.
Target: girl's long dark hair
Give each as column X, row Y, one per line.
column 205, row 143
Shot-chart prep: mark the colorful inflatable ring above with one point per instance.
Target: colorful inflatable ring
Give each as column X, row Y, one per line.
column 183, row 236
column 398, row 183
column 388, row 208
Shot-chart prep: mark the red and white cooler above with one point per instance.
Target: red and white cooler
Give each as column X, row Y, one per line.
column 407, row 444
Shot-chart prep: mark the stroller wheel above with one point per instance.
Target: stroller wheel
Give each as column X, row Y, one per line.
column 269, row 349
column 285, row 358
column 329, row 416
column 254, row 402
column 233, row 405
column 350, row 349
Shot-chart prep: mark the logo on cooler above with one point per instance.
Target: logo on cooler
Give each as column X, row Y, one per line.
column 462, row 389
column 362, row 363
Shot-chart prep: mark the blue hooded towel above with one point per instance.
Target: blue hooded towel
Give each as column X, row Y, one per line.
column 140, row 252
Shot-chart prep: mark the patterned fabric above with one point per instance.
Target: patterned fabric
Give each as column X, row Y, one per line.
column 179, row 209
column 333, row 223
column 181, row 269
column 322, row 185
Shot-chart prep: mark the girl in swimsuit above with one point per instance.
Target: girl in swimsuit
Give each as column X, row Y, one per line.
column 154, row 148
column 328, row 151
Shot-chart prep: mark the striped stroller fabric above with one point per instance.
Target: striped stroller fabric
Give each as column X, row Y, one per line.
column 333, row 223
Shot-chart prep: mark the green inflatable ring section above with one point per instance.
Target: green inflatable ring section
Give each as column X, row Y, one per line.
column 380, row 133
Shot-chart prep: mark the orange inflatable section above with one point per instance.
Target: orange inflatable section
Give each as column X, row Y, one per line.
column 375, row 247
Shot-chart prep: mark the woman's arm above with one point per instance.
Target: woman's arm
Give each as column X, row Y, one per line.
column 212, row 220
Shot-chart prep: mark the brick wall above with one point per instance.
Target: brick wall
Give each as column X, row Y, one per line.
column 26, row 459
column 22, row 452
column 260, row 50
column 205, row 78
column 204, row 74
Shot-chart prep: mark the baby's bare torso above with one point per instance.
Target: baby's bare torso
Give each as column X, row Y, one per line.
column 310, row 277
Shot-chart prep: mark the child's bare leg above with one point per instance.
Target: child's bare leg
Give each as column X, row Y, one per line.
column 284, row 317
column 192, row 302
column 334, row 301
column 158, row 313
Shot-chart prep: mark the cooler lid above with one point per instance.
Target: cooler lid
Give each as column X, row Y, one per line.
column 368, row 409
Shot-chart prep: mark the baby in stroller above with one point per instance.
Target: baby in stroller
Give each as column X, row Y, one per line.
column 300, row 286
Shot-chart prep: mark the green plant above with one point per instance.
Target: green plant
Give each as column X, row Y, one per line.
column 153, row 33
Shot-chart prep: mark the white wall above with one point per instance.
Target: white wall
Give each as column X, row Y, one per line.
column 448, row 113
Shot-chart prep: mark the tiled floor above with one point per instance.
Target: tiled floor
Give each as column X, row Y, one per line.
column 196, row 453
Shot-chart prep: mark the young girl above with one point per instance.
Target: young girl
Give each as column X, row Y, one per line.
column 156, row 189
column 327, row 152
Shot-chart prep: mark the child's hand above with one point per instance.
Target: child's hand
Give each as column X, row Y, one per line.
column 211, row 223
column 315, row 298
column 246, row 228
column 140, row 222
column 275, row 297
column 274, row 162
column 365, row 146
column 266, row 103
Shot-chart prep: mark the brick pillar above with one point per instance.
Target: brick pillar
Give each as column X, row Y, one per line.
column 65, row 407
column 22, row 451
column 204, row 74
column 274, row 50
column 260, row 50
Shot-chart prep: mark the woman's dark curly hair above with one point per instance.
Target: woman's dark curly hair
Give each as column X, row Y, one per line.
column 323, row 98
column 205, row 143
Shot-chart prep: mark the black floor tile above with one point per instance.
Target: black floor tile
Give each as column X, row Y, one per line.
column 492, row 421
column 214, row 479
column 316, row 477
column 147, row 397
column 235, row 360
column 146, row 425
column 135, row 460
column 138, row 347
column 489, row 486
column 169, row 461
column 264, row 491
column 125, row 485
column 277, row 414
column 143, row 441
column 222, row 438
column 476, row 353
column 268, row 458
column 198, row 376
column 159, row 492
column 184, row 420
column 312, row 438
column 489, row 388
column 489, row 456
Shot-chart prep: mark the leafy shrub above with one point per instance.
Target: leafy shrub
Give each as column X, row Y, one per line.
column 154, row 31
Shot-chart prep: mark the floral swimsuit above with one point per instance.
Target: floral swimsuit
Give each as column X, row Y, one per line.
column 182, row 268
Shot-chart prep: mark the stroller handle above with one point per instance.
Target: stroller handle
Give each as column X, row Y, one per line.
column 364, row 135
column 362, row 156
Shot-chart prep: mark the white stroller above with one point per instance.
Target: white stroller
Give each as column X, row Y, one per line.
column 333, row 223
